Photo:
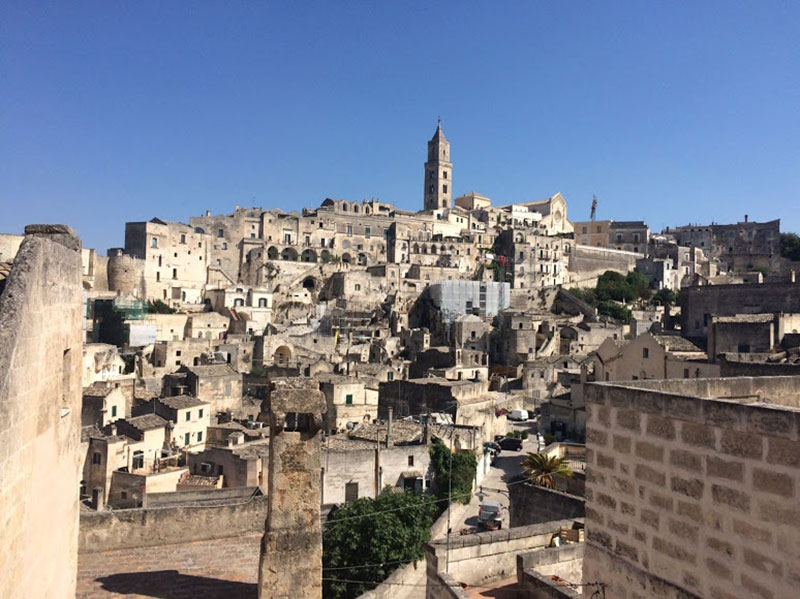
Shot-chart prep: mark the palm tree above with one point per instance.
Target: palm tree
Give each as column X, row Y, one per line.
column 543, row 469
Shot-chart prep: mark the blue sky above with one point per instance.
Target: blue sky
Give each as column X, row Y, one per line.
column 669, row 112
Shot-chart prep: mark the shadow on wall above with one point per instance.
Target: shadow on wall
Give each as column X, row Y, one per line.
column 171, row 584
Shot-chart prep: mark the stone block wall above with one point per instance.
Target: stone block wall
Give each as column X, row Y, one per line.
column 530, row 504
column 690, row 497
column 40, row 409
column 545, row 573
column 181, row 552
column 484, row 557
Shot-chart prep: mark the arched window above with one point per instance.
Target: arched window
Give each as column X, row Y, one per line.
column 262, row 302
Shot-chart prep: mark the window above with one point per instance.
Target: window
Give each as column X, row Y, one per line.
column 349, row 230
column 199, row 436
column 187, row 438
column 138, row 459
column 686, row 373
column 350, row 492
column 367, row 231
column 411, row 460
column 97, row 458
column 154, row 242
column 584, row 230
column 123, row 495
column 619, row 237
column 358, row 287
column 113, row 411
column 390, row 376
column 444, row 188
column 262, row 302
column 348, row 399
column 444, row 174
column 220, row 232
column 188, row 416
column 174, row 273
column 183, row 238
column 645, row 352
column 224, row 245
column 227, row 389
column 200, row 413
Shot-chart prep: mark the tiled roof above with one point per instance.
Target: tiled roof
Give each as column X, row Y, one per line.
column 676, row 343
column 212, row 370
column 180, row 402
column 147, row 422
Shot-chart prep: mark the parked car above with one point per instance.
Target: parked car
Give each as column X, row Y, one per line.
column 493, row 446
column 519, row 415
column 490, row 515
column 510, row 443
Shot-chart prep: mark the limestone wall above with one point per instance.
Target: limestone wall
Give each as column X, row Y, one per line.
column 181, row 552
column 587, row 263
column 694, row 497
column 488, row 556
column 153, row 527
column 40, row 410
column 530, row 504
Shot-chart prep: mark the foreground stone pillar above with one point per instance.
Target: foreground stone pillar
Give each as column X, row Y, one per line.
column 291, row 550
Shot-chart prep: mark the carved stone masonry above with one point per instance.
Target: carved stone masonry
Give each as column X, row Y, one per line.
column 291, row 550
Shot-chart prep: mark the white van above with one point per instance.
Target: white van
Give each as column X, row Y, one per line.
column 518, row 415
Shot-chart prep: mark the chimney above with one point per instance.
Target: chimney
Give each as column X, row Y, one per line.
column 745, row 218
column 425, row 430
column 389, row 429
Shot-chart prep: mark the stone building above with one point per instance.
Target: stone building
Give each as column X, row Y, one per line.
column 218, row 385
column 629, row 236
column 350, row 401
column 438, row 172
column 538, row 259
column 592, row 233
column 650, row 356
column 175, row 259
column 691, row 487
column 40, row 409
column 372, row 457
column 238, row 463
column 738, row 247
column 699, row 304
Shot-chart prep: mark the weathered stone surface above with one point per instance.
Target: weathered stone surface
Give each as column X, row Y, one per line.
column 291, row 550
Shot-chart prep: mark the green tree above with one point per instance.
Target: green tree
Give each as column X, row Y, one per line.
column 586, row 294
column 543, row 469
column 159, row 307
column 639, row 283
column 614, row 310
column 664, row 297
column 389, row 529
column 790, row 246
column 465, row 466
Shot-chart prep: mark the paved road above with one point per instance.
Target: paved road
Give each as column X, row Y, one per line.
column 506, row 466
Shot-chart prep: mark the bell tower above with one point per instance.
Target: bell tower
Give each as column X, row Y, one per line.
column 438, row 172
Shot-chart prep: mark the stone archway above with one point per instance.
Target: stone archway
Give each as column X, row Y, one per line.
column 289, row 254
column 308, row 255
column 282, row 356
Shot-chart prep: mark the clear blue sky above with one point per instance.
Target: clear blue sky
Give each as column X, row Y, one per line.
column 670, row 112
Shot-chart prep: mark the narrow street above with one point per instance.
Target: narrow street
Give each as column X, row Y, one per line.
column 506, row 466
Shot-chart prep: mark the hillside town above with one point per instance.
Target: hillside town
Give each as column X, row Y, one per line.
column 239, row 404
